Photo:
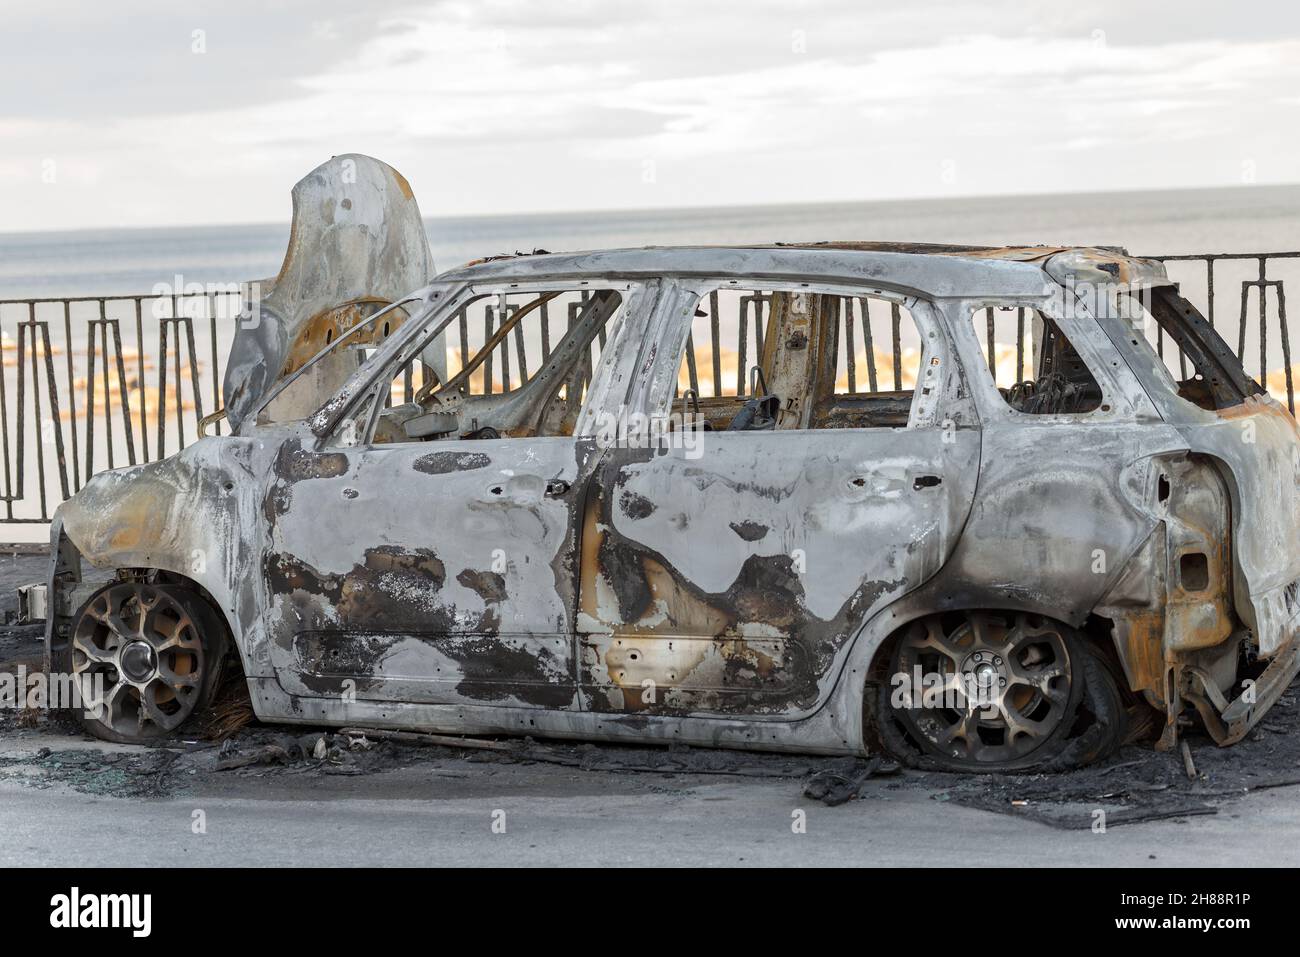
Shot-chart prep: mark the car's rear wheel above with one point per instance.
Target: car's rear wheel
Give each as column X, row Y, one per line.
column 150, row 655
column 987, row 691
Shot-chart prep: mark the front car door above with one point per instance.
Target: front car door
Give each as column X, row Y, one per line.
column 421, row 552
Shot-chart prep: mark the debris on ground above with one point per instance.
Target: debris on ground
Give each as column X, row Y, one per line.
column 231, row 709
column 1136, row 785
column 1188, row 764
column 142, row 774
column 267, row 754
column 835, row 786
column 419, row 737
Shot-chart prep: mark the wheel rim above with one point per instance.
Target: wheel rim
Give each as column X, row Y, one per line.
column 138, row 656
column 1000, row 688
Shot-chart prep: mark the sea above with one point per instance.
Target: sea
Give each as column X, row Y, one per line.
column 1243, row 219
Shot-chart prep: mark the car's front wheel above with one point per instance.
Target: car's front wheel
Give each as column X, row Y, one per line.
column 994, row 691
column 146, row 657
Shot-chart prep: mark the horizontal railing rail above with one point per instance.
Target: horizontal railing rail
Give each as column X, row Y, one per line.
column 95, row 382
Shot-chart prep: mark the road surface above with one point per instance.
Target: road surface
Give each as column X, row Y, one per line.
column 449, row 811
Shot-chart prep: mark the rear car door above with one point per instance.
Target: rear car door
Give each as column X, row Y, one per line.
column 726, row 571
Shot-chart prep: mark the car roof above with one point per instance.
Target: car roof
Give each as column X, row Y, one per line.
column 921, row 268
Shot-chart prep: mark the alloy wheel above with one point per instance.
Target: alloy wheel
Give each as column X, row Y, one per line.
column 991, row 690
column 140, row 652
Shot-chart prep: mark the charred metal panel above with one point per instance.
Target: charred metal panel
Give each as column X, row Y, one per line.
column 929, row 275
column 1257, row 445
column 1049, row 533
column 831, row 730
column 443, row 573
column 1163, row 610
column 1100, row 267
column 194, row 514
column 1061, row 504
column 1198, row 554
column 731, row 575
column 732, row 582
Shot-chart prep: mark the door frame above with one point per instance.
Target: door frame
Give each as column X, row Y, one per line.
column 333, row 456
column 940, row 404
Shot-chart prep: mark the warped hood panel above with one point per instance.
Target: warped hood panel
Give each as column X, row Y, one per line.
column 356, row 245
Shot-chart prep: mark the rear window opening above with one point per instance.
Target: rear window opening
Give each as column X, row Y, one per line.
column 1203, row 368
column 1033, row 364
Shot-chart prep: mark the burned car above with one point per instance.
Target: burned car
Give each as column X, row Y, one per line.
column 947, row 502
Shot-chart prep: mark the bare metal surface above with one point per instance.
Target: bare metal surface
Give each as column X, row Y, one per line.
column 31, row 604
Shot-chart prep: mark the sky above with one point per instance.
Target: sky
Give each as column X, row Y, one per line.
column 184, row 113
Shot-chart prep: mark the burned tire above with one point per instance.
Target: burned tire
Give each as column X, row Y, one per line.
column 1107, row 717
column 153, row 654
column 989, row 691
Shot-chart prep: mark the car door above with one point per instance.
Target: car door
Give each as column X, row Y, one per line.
column 429, row 571
column 729, row 575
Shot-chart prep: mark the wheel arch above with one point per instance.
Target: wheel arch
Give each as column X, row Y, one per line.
column 1108, row 714
column 888, row 623
column 68, row 589
column 869, row 651
column 193, row 514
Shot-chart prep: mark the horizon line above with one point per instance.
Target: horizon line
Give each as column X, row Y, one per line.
column 636, row 210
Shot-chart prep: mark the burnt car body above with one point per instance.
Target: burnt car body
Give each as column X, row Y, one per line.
column 1101, row 546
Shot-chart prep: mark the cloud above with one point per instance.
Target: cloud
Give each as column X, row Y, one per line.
column 499, row 106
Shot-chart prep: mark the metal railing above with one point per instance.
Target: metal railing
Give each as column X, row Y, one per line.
column 88, row 383
column 1256, row 277
column 96, row 382
column 1200, row 278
